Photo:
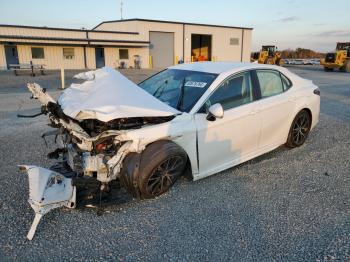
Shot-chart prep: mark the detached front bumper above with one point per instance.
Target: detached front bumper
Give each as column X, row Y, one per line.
column 47, row 190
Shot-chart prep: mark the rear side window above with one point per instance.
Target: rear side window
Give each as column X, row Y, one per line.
column 233, row 92
column 270, row 83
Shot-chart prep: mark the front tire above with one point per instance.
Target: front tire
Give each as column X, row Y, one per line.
column 160, row 165
column 299, row 129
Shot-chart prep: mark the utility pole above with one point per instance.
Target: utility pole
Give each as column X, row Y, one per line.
column 121, row 9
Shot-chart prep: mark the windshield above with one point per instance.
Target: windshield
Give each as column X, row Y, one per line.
column 180, row 89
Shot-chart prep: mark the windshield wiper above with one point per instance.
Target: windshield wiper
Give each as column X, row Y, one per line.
column 181, row 95
column 159, row 88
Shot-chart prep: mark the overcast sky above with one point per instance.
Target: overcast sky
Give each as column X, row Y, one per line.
column 315, row 24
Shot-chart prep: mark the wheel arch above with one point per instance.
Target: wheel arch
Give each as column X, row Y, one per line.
column 131, row 166
column 188, row 170
column 308, row 110
column 303, row 108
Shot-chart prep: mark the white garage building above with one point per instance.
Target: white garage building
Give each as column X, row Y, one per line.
column 122, row 43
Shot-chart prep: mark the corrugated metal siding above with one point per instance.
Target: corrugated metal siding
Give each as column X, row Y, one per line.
column 53, row 57
column 111, row 57
column 90, row 58
column 2, row 57
column 40, row 32
column 113, row 36
column 42, row 41
column 143, row 52
column 144, row 28
column 247, row 48
column 221, row 48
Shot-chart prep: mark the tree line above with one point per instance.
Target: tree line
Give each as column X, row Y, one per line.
column 301, row 53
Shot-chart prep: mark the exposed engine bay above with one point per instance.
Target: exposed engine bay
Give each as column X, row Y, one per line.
column 92, row 140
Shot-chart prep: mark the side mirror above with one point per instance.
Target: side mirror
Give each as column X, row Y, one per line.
column 215, row 111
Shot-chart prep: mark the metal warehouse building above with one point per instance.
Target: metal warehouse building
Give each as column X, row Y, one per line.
column 123, row 43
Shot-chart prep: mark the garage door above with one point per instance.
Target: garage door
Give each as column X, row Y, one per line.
column 162, row 49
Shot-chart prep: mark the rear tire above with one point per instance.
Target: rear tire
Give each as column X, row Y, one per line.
column 161, row 164
column 299, row 129
column 327, row 69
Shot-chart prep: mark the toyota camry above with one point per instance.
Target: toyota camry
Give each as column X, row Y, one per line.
column 196, row 118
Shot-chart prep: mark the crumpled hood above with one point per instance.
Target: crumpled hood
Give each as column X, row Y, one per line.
column 106, row 95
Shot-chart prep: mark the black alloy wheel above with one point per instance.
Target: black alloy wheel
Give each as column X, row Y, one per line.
column 164, row 175
column 299, row 130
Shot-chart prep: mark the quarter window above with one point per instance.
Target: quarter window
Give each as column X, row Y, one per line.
column 37, row 52
column 68, row 53
column 234, row 92
column 270, row 83
column 286, row 82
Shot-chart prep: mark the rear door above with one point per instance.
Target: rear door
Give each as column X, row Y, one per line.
column 275, row 107
column 225, row 142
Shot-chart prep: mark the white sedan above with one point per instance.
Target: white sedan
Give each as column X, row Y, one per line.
column 198, row 118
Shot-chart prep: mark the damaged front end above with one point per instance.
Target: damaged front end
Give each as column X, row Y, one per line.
column 88, row 148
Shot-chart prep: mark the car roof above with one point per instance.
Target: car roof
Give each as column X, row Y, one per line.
column 218, row 67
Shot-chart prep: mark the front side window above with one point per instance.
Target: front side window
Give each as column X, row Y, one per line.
column 180, row 89
column 123, row 54
column 270, row 83
column 68, row 53
column 38, row 53
column 233, row 92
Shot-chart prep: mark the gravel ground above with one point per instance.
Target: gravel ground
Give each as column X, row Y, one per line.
column 287, row 205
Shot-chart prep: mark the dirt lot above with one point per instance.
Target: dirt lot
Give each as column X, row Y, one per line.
column 288, row 205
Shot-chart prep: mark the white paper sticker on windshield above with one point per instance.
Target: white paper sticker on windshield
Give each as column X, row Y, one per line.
column 195, row 84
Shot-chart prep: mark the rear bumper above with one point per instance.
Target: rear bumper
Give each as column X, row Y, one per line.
column 315, row 110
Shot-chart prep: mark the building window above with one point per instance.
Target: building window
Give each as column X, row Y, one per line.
column 68, row 53
column 234, row 41
column 123, row 54
column 38, row 52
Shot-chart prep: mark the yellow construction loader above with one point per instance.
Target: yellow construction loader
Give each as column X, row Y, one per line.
column 339, row 60
column 268, row 55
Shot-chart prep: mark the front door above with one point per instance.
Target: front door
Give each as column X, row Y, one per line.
column 228, row 141
column 100, row 57
column 11, row 55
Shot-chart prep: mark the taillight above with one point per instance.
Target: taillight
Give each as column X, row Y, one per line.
column 317, row 92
